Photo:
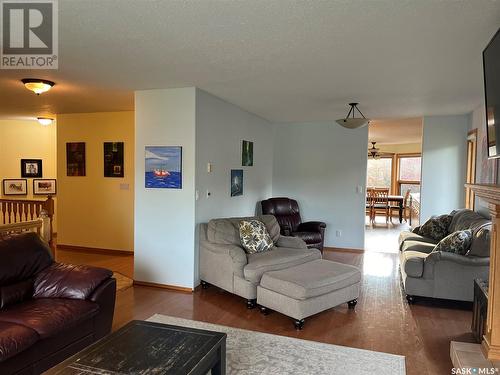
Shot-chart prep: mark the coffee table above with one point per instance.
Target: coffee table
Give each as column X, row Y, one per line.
column 150, row 348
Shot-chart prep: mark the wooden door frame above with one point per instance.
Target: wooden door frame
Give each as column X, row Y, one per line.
column 470, row 175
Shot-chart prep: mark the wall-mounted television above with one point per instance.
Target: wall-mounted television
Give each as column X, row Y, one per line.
column 491, row 69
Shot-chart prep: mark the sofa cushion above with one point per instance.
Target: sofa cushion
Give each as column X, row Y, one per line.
column 411, row 236
column 436, row 227
column 254, row 236
column 457, row 242
column 23, row 256
column 276, row 259
column 423, row 247
column 69, row 281
column 480, row 246
column 311, row 279
column 49, row 316
column 226, row 231
column 467, row 219
column 15, row 293
column 14, row 338
column 412, row 262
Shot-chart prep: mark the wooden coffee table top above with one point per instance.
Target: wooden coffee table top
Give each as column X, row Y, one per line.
column 147, row 348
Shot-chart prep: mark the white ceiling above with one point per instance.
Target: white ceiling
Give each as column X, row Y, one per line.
column 285, row 60
column 395, row 131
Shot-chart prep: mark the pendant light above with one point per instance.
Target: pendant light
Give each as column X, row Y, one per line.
column 353, row 122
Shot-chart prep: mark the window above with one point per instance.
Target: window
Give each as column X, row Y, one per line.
column 409, row 168
column 379, row 172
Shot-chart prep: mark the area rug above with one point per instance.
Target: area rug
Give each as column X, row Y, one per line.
column 250, row 352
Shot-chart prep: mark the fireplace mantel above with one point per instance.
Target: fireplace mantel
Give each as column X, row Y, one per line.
column 491, row 340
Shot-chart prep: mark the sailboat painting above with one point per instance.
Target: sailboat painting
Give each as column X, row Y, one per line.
column 163, row 168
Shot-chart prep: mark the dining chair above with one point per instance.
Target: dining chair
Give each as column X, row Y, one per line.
column 369, row 203
column 406, row 206
column 380, row 203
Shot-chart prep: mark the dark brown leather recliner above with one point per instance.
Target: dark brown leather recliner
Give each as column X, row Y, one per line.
column 287, row 213
column 48, row 310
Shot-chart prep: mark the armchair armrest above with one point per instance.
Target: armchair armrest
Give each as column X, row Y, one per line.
column 291, row 242
column 311, row 226
column 69, row 281
column 437, row 256
column 236, row 253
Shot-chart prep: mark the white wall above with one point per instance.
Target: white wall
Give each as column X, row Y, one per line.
column 164, row 218
column 321, row 165
column 444, row 160
column 220, row 128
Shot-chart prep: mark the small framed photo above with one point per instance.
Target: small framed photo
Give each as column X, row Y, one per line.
column 113, row 159
column 44, row 187
column 13, row 186
column 31, row 168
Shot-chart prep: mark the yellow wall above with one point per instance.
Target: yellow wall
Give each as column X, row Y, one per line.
column 96, row 211
column 27, row 139
column 401, row 148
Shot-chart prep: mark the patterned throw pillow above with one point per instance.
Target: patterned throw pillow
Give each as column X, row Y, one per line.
column 254, row 236
column 436, row 227
column 457, row 242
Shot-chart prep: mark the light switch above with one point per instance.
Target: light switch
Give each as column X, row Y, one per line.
column 209, row 167
column 124, row 186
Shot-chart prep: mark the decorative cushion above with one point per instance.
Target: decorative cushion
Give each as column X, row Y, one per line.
column 457, row 242
column 254, row 236
column 436, row 227
column 480, row 246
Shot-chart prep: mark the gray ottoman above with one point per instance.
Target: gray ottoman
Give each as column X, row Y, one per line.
column 308, row 289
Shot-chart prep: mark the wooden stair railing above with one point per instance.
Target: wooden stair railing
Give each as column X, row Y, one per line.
column 13, row 211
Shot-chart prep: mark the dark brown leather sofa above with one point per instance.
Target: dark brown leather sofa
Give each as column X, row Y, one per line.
column 287, row 213
column 48, row 310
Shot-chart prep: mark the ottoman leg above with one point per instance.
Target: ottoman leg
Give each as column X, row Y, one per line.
column 352, row 304
column 299, row 324
column 264, row 310
column 251, row 303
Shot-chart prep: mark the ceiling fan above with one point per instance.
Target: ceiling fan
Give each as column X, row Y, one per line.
column 374, row 152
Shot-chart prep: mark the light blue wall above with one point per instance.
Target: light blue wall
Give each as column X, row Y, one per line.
column 444, row 161
column 321, row 165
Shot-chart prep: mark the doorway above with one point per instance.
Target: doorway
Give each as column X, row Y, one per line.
column 393, row 182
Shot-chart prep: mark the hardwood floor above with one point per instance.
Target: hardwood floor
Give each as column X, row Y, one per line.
column 383, row 237
column 382, row 321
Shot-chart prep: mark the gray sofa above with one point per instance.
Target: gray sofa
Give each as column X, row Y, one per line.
column 441, row 274
column 224, row 263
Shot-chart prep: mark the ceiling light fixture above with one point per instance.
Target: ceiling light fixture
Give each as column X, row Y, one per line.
column 353, row 122
column 38, row 86
column 45, row 121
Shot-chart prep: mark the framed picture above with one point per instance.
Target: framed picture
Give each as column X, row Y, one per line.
column 31, row 168
column 75, row 159
column 163, row 167
column 113, row 159
column 15, row 186
column 44, row 186
column 236, row 182
column 246, row 153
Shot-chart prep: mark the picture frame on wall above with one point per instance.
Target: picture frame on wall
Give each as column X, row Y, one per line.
column 44, row 186
column 113, row 159
column 31, row 168
column 13, row 186
column 75, row 159
column 236, row 182
column 246, row 153
column 163, row 167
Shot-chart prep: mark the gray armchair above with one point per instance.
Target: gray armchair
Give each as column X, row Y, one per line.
column 225, row 264
column 441, row 274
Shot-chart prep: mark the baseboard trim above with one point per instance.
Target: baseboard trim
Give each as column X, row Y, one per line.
column 343, row 250
column 93, row 250
column 164, row 286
